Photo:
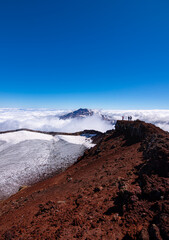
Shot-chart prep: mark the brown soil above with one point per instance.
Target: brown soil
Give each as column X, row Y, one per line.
column 117, row 190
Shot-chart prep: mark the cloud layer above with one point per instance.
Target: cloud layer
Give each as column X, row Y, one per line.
column 48, row 120
column 158, row 117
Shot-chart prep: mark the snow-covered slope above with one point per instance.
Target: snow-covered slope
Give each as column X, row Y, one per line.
column 26, row 157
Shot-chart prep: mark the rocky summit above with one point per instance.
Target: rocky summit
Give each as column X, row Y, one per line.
column 117, row 190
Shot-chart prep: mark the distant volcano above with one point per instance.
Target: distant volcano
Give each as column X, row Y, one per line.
column 84, row 112
column 80, row 113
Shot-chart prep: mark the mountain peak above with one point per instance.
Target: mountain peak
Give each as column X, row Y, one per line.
column 80, row 113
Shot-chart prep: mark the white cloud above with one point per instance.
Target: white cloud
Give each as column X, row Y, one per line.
column 158, row 117
column 93, row 122
column 48, row 120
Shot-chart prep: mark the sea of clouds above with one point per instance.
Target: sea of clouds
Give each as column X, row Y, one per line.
column 160, row 118
column 48, row 119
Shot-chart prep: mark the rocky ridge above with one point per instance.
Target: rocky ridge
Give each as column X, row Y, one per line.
column 116, row 190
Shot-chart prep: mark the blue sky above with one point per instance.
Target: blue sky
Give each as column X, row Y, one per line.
column 96, row 54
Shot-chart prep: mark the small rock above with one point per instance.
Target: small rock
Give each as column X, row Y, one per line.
column 69, row 179
column 22, row 187
column 115, row 217
column 155, row 232
column 96, row 189
column 144, row 235
column 77, row 222
column 61, row 202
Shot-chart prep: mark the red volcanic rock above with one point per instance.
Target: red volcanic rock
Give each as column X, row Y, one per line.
column 117, row 190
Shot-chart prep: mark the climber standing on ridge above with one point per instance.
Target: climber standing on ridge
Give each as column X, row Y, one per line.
column 122, row 117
